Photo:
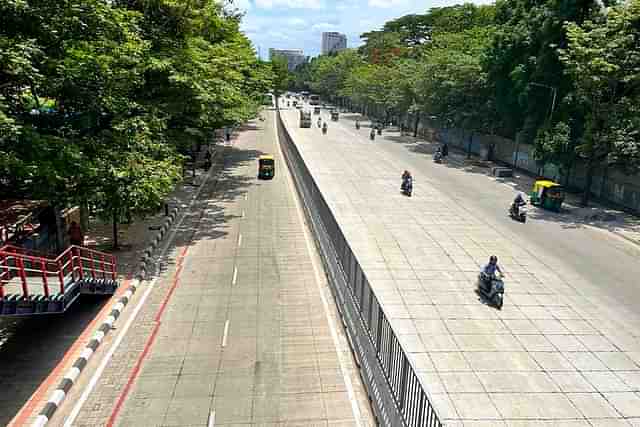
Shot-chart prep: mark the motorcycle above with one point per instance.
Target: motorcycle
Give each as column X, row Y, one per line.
column 379, row 130
column 324, row 129
column 491, row 288
column 358, row 125
column 437, row 157
column 407, row 187
column 518, row 213
column 372, row 135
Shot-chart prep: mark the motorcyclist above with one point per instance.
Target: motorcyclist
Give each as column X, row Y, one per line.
column 379, row 128
column 324, row 127
column 517, row 202
column 319, row 122
column 406, row 179
column 357, row 124
column 488, row 273
column 372, row 134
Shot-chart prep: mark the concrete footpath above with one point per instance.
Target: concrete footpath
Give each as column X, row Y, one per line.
column 562, row 352
column 238, row 328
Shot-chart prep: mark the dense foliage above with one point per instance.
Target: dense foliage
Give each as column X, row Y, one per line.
column 560, row 74
column 100, row 101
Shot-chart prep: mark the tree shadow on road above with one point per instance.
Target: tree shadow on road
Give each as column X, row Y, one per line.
column 210, row 217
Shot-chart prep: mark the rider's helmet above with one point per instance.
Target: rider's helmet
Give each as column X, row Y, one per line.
column 493, row 259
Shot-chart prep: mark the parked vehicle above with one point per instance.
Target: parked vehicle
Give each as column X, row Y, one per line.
column 547, row 194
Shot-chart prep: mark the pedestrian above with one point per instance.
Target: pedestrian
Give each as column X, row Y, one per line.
column 445, row 150
column 76, row 237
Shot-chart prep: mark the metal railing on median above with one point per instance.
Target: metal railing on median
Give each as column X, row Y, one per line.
column 394, row 388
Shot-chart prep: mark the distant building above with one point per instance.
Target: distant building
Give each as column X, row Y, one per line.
column 294, row 57
column 333, row 42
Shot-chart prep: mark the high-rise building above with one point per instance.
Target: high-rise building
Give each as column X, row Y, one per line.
column 294, row 57
column 333, row 42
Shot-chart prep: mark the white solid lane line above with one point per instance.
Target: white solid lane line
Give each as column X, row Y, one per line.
column 235, row 275
column 226, row 333
column 211, row 422
column 239, row 239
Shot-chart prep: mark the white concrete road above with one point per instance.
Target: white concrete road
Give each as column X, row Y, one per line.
column 239, row 327
column 565, row 349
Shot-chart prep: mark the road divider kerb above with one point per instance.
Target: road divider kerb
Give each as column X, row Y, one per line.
column 72, row 375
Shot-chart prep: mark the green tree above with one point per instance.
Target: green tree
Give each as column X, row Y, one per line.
column 524, row 51
column 554, row 145
column 603, row 61
column 99, row 99
column 456, row 87
column 282, row 78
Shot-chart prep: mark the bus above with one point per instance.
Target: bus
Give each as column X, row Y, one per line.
column 314, row 99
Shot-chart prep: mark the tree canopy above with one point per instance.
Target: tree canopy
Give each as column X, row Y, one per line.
column 101, row 101
column 558, row 74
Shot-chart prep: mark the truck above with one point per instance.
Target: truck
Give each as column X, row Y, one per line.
column 305, row 119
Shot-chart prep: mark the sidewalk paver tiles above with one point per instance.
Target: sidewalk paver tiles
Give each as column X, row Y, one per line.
column 554, row 355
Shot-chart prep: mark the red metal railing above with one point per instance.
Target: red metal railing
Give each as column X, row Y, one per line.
column 35, row 274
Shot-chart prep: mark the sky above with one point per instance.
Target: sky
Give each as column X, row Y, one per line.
column 298, row 24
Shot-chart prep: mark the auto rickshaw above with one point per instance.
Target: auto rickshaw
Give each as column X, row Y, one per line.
column 316, row 110
column 334, row 116
column 266, row 167
column 547, row 194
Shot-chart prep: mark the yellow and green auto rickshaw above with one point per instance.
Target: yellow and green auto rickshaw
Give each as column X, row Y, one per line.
column 266, row 167
column 547, row 194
